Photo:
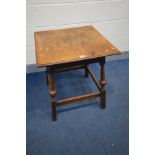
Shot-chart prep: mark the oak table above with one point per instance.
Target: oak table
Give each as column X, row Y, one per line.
column 71, row 49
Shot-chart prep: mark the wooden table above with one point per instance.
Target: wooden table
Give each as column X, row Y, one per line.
column 70, row 49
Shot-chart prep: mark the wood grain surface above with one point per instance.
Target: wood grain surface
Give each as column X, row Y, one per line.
column 70, row 45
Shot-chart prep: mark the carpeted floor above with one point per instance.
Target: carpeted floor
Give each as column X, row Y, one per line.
column 82, row 128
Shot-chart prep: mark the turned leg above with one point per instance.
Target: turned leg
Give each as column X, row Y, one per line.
column 102, row 84
column 52, row 94
column 86, row 71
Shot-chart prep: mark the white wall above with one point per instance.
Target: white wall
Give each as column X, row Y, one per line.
column 110, row 17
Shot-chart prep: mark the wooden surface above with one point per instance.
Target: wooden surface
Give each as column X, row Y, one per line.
column 71, row 45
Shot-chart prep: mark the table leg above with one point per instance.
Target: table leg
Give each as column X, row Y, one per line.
column 86, row 72
column 53, row 95
column 102, row 84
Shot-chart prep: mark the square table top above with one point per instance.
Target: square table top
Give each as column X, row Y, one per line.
column 71, row 44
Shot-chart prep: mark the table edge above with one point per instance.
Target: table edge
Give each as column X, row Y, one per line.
column 77, row 60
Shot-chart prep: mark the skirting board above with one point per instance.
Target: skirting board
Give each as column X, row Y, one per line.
column 31, row 68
